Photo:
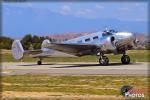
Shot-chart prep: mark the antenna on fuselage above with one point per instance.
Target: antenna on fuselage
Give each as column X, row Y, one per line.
column 106, row 29
column 109, row 31
column 106, row 32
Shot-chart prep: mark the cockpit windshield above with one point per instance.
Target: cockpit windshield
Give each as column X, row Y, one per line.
column 108, row 32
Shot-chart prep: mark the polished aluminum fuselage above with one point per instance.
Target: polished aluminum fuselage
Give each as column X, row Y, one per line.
column 92, row 44
column 123, row 40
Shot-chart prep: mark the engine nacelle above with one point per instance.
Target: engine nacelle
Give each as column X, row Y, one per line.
column 109, row 43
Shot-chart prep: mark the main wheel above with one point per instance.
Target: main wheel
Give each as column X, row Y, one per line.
column 39, row 62
column 125, row 59
column 104, row 60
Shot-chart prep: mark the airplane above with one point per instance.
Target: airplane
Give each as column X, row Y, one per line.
column 99, row 44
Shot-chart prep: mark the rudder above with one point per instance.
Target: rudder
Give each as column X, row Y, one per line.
column 45, row 42
column 17, row 50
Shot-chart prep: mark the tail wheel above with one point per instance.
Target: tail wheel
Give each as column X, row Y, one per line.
column 125, row 59
column 104, row 60
column 39, row 62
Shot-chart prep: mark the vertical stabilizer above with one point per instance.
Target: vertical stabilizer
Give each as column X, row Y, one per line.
column 17, row 50
column 45, row 42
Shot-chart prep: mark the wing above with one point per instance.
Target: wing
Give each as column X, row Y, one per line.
column 74, row 49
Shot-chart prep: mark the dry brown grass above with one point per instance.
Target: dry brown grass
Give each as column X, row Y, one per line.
column 55, row 96
column 4, row 51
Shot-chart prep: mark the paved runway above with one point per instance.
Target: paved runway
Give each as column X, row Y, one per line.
column 75, row 69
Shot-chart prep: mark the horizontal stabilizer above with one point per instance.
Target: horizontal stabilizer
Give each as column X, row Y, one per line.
column 18, row 51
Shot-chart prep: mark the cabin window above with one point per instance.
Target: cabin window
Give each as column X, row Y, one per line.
column 88, row 39
column 96, row 37
column 80, row 41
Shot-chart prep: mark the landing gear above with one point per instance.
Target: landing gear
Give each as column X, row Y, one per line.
column 103, row 60
column 125, row 59
column 39, row 62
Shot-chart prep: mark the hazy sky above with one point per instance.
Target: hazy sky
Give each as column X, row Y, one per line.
column 40, row 12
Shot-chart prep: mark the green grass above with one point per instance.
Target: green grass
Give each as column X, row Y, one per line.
column 93, row 85
column 135, row 55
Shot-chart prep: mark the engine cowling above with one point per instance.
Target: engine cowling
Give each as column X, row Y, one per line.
column 109, row 43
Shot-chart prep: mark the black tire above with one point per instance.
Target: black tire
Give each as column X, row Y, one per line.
column 125, row 59
column 104, row 61
column 39, row 62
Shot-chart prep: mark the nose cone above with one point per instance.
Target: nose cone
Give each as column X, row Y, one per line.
column 125, row 38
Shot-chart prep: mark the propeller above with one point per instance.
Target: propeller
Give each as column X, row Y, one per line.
column 135, row 42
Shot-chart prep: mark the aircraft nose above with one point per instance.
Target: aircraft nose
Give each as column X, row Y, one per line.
column 125, row 38
column 125, row 35
column 129, row 36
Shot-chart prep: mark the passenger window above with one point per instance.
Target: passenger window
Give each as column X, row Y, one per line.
column 80, row 41
column 86, row 40
column 96, row 37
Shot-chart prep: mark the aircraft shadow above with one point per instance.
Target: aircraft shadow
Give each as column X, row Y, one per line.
column 92, row 65
column 79, row 65
column 35, row 64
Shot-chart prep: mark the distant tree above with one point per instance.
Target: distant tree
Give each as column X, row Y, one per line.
column 42, row 39
column 27, row 41
column 5, row 42
column 34, row 42
column 36, row 39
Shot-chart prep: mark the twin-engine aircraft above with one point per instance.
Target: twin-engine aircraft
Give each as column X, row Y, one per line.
column 99, row 43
